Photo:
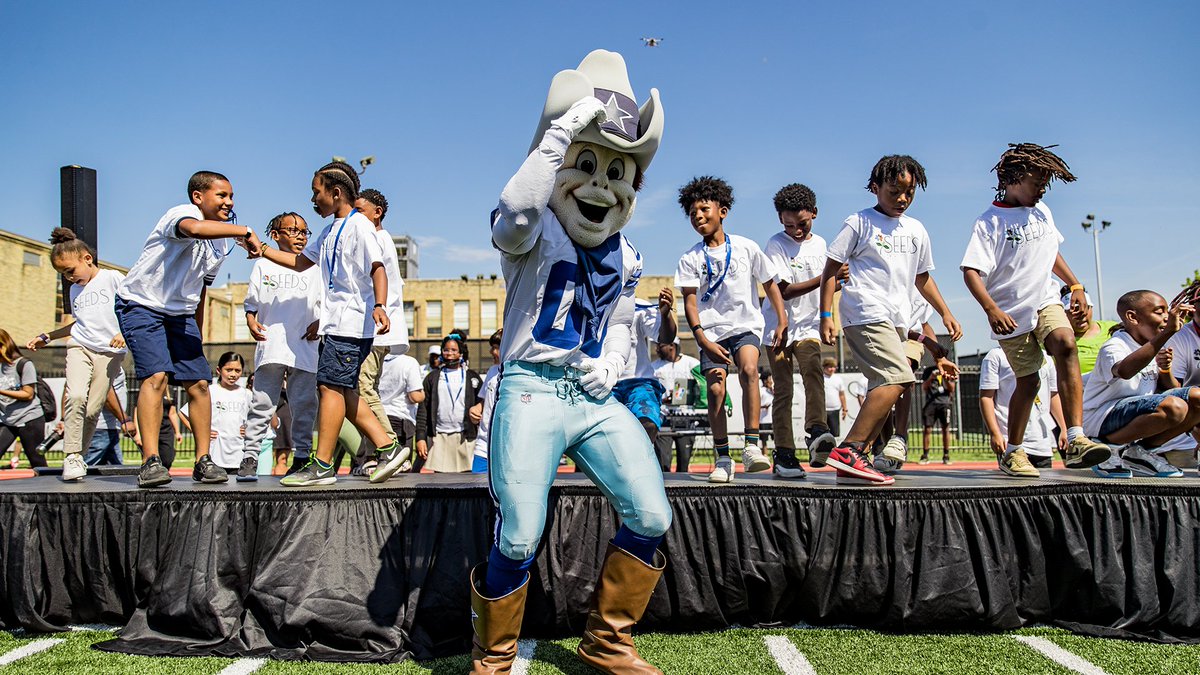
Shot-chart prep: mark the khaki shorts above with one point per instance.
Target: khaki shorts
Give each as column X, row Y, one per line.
column 879, row 350
column 914, row 351
column 1024, row 351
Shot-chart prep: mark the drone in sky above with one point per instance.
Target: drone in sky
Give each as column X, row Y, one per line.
column 652, row 41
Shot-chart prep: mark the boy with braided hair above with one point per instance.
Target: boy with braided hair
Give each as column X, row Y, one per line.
column 1007, row 266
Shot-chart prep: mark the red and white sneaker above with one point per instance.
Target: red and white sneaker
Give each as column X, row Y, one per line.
column 853, row 467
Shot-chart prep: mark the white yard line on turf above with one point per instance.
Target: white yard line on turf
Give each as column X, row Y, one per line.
column 243, row 667
column 525, row 649
column 28, row 650
column 787, row 657
column 94, row 627
column 1060, row 656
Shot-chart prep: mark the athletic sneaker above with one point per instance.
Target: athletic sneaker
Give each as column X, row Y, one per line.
column 787, row 466
column 248, row 470
column 73, row 467
column 723, row 471
column 1041, row 461
column 924, row 460
column 364, row 470
column 1146, row 463
column 311, row 474
column 894, row 454
column 853, row 467
column 753, row 459
column 206, row 472
column 819, row 449
column 389, row 460
column 1016, row 463
column 153, row 473
column 297, row 464
column 1084, row 452
column 1112, row 467
column 405, row 467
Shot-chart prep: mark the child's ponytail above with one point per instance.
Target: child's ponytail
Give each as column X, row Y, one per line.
column 65, row 242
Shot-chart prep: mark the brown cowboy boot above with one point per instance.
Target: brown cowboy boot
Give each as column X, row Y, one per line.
column 497, row 623
column 619, row 601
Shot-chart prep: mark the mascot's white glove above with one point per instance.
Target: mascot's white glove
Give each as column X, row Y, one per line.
column 581, row 114
column 600, row 375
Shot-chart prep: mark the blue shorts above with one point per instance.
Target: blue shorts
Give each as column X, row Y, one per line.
column 339, row 360
column 734, row 344
column 643, row 396
column 163, row 343
column 1126, row 410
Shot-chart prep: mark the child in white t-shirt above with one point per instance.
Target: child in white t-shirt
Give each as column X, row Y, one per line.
column 1007, row 266
column 1131, row 397
column 799, row 257
column 491, row 387
column 888, row 253
column 373, row 205
column 1184, row 348
column 160, row 308
column 996, row 383
column 230, row 409
column 281, row 312
column 353, row 278
column 94, row 360
column 400, row 390
column 719, row 278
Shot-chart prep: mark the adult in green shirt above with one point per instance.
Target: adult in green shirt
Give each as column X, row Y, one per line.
column 1089, row 333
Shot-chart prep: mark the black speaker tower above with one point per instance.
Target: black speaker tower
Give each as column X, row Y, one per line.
column 78, row 211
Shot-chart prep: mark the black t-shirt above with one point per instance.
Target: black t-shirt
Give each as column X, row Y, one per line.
column 166, row 427
column 938, row 393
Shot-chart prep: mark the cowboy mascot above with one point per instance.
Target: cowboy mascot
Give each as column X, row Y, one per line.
column 570, row 279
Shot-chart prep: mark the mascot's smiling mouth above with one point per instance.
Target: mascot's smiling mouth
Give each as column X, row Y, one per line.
column 593, row 212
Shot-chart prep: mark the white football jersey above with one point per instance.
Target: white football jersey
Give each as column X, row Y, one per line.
column 643, row 331
column 542, row 323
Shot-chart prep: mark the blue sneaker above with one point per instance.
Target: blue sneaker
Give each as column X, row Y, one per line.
column 1112, row 468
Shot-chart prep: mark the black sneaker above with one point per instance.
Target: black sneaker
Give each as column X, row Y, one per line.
column 207, row 472
column 787, row 466
column 390, row 459
column 310, row 474
column 248, row 471
column 819, row 448
column 153, row 473
column 363, row 470
column 297, row 464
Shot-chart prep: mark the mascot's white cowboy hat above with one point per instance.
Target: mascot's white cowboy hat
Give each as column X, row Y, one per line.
column 629, row 129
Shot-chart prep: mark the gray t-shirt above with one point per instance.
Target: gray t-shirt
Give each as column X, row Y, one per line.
column 16, row 413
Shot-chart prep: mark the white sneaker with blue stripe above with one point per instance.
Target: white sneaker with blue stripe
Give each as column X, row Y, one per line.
column 1146, row 463
column 1112, row 467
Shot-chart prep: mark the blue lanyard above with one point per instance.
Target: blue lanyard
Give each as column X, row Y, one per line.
column 714, row 285
column 336, row 242
column 462, row 384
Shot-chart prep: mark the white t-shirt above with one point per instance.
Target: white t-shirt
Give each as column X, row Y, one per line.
column 885, row 256
column 452, row 400
column 765, row 399
column 1185, row 345
column 397, row 335
column 173, row 269
column 643, row 332
column 733, row 308
column 95, row 318
column 1014, row 249
column 996, row 373
column 399, row 375
column 287, row 302
column 346, row 250
column 796, row 262
column 491, row 387
column 229, row 411
column 107, row 420
column 833, row 386
column 674, row 376
column 1104, row 389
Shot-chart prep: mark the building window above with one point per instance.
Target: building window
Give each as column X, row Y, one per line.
column 487, row 318
column 409, row 315
column 462, row 315
column 32, row 259
column 433, row 318
column 241, row 332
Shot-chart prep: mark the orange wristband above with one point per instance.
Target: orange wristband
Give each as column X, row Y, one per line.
column 1076, row 287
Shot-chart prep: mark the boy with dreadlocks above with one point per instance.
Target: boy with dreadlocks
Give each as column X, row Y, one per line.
column 888, row 253
column 1007, row 266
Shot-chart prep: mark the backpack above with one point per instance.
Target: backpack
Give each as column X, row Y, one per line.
column 43, row 392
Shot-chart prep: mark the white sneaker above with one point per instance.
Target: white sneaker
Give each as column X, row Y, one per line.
column 894, row 454
column 1146, row 463
column 1112, row 467
column 73, row 467
column 723, row 472
column 754, row 460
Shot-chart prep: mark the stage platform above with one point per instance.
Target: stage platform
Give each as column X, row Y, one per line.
column 360, row 572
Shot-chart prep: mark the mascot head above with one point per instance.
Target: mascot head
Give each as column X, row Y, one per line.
column 595, row 190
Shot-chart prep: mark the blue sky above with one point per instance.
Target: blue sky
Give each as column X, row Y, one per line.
column 446, row 96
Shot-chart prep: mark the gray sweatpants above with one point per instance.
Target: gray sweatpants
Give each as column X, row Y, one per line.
column 302, row 399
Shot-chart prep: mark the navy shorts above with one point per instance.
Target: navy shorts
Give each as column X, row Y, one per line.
column 1126, row 410
column 734, row 344
column 643, row 396
column 339, row 360
column 163, row 343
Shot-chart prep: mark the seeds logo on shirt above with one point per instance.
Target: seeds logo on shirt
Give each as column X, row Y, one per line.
column 1016, row 235
column 1196, row 355
column 230, row 406
column 92, row 299
column 285, row 281
column 806, row 267
column 903, row 244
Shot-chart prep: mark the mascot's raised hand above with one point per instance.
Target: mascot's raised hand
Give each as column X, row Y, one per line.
column 582, row 113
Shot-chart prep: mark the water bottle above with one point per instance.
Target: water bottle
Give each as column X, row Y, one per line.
column 45, row 445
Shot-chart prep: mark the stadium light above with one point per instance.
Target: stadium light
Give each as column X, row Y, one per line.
column 1089, row 225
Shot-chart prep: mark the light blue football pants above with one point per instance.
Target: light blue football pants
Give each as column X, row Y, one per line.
column 541, row 414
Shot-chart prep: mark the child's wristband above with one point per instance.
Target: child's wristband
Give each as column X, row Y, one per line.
column 826, row 315
column 1076, row 287
column 44, row 338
